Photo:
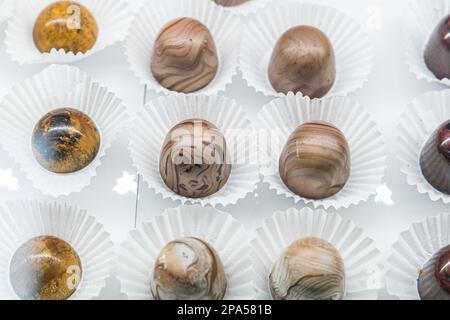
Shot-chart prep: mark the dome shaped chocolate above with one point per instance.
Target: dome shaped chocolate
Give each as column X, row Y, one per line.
column 45, row 268
column 189, row 269
column 230, row 3
column 194, row 160
column 437, row 51
column 65, row 141
column 315, row 163
column 65, row 25
column 309, row 269
column 434, row 279
column 185, row 56
column 303, row 61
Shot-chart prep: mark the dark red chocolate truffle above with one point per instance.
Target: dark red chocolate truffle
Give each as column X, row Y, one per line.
column 434, row 279
column 437, row 52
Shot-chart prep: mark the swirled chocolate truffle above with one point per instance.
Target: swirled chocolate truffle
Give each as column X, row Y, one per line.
column 434, row 279
column 230, row 3
column 189, row 269
column 435, row 159
column 315, row 163
column 309, row 269
column 437, row 51
column 194, row 160
column 45, row 268
column 65, row 141
column 185, row 56
column 65, row 25
column 303, row 61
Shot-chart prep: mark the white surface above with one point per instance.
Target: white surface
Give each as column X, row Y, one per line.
column 391, row 87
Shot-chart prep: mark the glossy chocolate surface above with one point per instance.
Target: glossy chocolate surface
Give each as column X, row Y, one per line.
column 443, row 142
column 434, row 279
column 437, row 52
column 230, row 3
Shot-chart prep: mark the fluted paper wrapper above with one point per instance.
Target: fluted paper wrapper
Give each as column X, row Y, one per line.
column 6, row 9
column 247, row 8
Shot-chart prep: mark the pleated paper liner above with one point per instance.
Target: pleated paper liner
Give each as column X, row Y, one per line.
column 224, row 26
column 152, row 125
column 368, row 152
column 6, row 9
column 57, row 87
column 361, row 258
column 411, row 252
column 424, row 16
column 25, row 220
column 351, row 44
column 248, row 7
column 225, row 234
column 113, row 19
column 423, row 116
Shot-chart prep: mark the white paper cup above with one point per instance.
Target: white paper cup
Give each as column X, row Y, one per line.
column 412, row 251
column 25, row 220
column 224, row 26
column 351, row 44
column 247, row 8
column 57, row 87
column 6, row 9
column 225, row 234
column 113, row 19
column 368, row 152
column 361, row 258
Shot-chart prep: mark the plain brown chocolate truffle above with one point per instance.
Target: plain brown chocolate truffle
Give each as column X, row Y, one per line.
column 434, row 278
column 230, row 3
column 437, row 52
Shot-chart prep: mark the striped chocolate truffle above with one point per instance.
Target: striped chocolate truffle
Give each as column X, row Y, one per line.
column 434, row 278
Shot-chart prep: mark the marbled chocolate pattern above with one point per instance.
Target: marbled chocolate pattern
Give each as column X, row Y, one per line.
column 315, row 163
column 437, row 52
column 230, row 3
column 185, row 56
column 57, row 27
column 434, row 278
column 45, row 268
column 65, row 141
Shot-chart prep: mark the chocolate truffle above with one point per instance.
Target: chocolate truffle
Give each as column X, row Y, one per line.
column 437, row 51
column 189, row 269
column 185, row 56
column 434, row 279
column 45, row 268
column 315, row 163
column 65, row 141
column 435, row 159
column 303, row 61
column 194, row 160
column 230, row 3
column 309, row 269
column 65, row 25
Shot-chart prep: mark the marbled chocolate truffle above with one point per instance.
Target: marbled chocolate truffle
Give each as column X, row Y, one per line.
column 434, row 279
column 194, row 160
column 230, row 3
column 303, row 61
column 315, row 163
column 45, row 268
column 309, row 269
column 65, row 141
column 185, row 56
column 65, row 25
column 435, row 159
column 437, row 52
column 189, row 269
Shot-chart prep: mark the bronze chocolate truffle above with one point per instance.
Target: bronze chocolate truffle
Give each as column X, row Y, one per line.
column 189, row 269
column 230, row 3
column 65, row 141
column 315, row 163
column 437, row 52
column 45, row 268
column 303, row 61
column 309, row 269
column 185, row 57
column 65, row 25
column 434, row 279
column 194, row 160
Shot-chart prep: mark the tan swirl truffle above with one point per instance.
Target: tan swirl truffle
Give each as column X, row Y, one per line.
column 185, row 56
column 230, row 3
column 194, row 160
column 65, row 25
column 434, row 278
column 315, row 163
column 309, row 269
column 303, row 61
column 45, row 268
column 189, row 269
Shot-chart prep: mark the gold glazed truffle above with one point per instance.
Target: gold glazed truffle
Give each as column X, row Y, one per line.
column 303, row 61
column 189, row 269
column 45, row 268
column 65, row 25
column 315, row 163
column 185, row 56
column 434, row 279
column 310, row 269
column 194, row 160
column 230, row 3
column 65, row 141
